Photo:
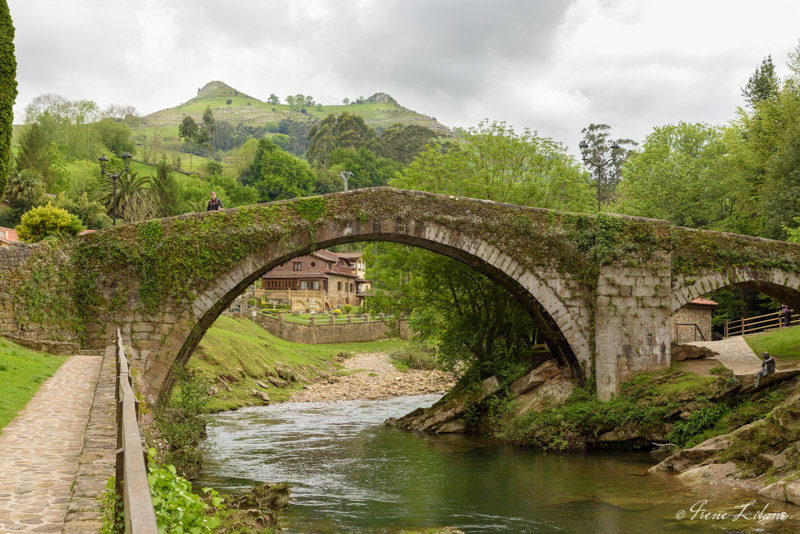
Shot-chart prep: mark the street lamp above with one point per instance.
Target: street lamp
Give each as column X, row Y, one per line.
column 345, row 175
column 600, row 163
column 126, row 157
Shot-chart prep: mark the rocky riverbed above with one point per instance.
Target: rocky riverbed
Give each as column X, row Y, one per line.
column 372, row 376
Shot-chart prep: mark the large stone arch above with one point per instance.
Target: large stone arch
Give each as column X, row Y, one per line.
column 545, row 293
column 777, row 283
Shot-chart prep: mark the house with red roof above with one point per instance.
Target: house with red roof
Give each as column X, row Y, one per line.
column 693, row 321
column 320, row 281
column 7, row 236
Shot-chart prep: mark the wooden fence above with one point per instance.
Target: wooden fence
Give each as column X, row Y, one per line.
column 751, row 325
column 131, row 469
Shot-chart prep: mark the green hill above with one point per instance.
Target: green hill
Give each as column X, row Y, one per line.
column 235, row 107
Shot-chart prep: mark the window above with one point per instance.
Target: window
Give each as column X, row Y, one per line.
column 297, row 266
column 315, row 284
column 303, row 285
column 351, row 288
column 313, row 264
column 339, row 286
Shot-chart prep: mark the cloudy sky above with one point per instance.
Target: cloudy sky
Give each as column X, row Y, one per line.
column 550, row 65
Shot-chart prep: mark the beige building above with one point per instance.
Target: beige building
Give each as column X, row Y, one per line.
column 317, row 282
column 693, row 321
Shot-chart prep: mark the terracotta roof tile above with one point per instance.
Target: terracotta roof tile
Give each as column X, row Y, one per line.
column 703, row 302
column 9, row 235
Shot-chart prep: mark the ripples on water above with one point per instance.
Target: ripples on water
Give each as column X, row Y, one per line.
column 349, row 473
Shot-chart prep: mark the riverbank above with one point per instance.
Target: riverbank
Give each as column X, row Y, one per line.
column 371, row 376
column 244, row 365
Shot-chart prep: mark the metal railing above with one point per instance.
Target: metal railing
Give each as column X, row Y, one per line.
column 131, row 468
column 695, row 330
column 752, row 325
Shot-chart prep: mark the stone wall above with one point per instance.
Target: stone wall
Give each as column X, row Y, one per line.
column 694, row 315
column 325, row 332
column 632, row 322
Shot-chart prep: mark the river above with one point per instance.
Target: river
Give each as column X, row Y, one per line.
column 349, row 473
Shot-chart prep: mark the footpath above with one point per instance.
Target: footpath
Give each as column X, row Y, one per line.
column 57, row 454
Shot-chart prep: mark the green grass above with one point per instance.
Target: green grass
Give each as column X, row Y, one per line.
column 21, row 373
column 782, row 343
column 230, row 351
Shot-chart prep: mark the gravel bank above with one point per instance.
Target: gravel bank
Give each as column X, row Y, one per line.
column 372, row 376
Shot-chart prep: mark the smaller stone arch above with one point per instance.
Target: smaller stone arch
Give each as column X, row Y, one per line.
column 777, row 283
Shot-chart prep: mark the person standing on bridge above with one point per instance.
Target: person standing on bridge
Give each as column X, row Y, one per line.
column 214, row 203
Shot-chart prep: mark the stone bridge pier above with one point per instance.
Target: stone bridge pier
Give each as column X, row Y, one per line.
column 602, row 286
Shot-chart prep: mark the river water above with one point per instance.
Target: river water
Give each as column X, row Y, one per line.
column 349, row 473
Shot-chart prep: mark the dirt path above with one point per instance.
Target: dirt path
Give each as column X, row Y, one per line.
column 372, row 376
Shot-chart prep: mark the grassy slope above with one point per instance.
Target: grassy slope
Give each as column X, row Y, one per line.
column 254, row 112
column 230, row 351
column 21, row 373
column 782, row 343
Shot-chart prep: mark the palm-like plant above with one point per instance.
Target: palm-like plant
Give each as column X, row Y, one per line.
column 129, row 184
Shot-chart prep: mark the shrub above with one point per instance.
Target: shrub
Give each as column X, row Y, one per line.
column 698, row 421
column 45, row 221
column 177, row 508
column 337, row 311
column 181, row 425
column 347, row 308
column 251, row 302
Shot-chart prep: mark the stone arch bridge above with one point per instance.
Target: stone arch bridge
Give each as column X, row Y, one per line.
column 604, row 286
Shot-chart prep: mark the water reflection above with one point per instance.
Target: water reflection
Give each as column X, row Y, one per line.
column 349, row 473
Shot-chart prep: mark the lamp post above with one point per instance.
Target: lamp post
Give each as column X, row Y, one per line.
column 599, row 163
column 126, row 157
column 345, row 175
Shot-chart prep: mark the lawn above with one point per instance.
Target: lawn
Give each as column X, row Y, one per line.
column 230, row 351
column 21, row 373
column 781, row 343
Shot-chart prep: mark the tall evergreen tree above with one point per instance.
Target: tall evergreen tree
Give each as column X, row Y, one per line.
column 8, row 90
column 763, row 84
column 604, row 158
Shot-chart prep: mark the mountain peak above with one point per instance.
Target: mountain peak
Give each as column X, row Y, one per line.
column 382, row 98
column 217, row 89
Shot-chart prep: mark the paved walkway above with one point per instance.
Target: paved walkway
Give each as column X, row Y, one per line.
column 734, row 353
column 41, row 447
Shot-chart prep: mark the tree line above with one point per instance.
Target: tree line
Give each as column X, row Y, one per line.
column 740, row 176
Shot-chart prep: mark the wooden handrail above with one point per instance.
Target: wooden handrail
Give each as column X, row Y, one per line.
column 751, row 325
column 131, row 468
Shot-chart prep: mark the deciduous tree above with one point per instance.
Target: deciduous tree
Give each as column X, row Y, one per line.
column 681, row 175
column 345, row 131
column 278, row 175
